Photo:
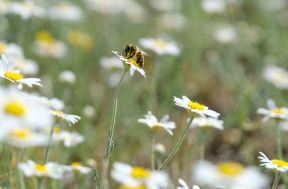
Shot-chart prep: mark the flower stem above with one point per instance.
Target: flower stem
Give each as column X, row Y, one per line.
column 276, row 180
column 153, row 152
column 110, row 142
column 48, row 146
column 177, row 145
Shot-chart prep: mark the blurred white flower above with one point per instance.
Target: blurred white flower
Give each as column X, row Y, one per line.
column 160, row 148
column 277, row 76
column 4, row 7
column 26, row 9
column 24, row 138
column 26, row 66
column 131, row 63
column 10, row 50
column 273, row 111
column 213, row 6
column 160, row 46
column 69, row 118
column 172, row 21
column 228, row 175
column 9, row 73
column 225, row 35
column 195, row 107
column 138, row 176
column 162, row 5
column 45, row 45
column 80, row 39
column 204, row 122
column 69, row 139
column 50, row 169
column 67, row 76
column 183, row 185
column 76, row 166
column 274, row 164
column 89, row 111
column 66, row 12
column 53, row 103
column 23, row 108
column 152, row 122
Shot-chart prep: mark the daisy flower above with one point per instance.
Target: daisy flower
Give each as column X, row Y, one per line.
column 15, row 76
column 131, row 63
column 25, row 66
column 71, row 119
column 151, row 121
column 195, row 107
column 67, row 76
column 139, row 176
column 228, row 174
column 213, row 6
column 45, row 45
column 160, row 46
column 205, row 122
column 80, row 39
column 10, row 50
column 76, row 166
column 65, row 12
column 274, row 164
column 277, row 76
column 25, row 138
column 25, row 109
column 183, row 185
column 50, row 169
column 69, row 139
column 26, row 9
column 273, row 111
column 225, row 35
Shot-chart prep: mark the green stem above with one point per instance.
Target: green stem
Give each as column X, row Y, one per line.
column 177, row 145
column 109, row 142
column 276, row 181
column 153, row 152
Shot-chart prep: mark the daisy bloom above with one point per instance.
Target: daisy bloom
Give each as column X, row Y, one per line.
column 228, row 174
column 26, row 9
column 10, row 50
column 69, row 118
column 277, row 76
column 69, row 139
column 160, row 46
column 65, row 12
column 151, row 121
column 213, row 6
column 131, row 63
column 225, row 35
column 76, row 166
column 45, row 45
column 25, row 66
column 25, row 138
column 183, row 185
column 50, row 169
column 15, row 76
column 25, row 109
column 206, row 122
column 67, row 76
column 195, row 107
column 139, row 176
column 274, row 164
column 273, row 111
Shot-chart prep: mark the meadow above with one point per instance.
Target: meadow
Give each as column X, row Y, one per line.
column 143, row 94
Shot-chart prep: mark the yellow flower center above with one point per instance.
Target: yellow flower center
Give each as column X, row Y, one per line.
column 278, row 111
column 279, row 163
column 80, row 39
column 230, row 168
column 76, row 164
column 14, row 76
column 156, row 127
column 40, row 168
column 58, row 112
column 3, row 48
column 196, row 105
column 132, row 187
column 56, row 130
column 20, row 133
column 45, row 37
column 15, row 108
column 139, row 173
column 160, row 43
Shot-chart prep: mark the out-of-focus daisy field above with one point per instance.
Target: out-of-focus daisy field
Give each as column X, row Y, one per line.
column 143, row 94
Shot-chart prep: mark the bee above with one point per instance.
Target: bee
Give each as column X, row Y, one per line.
column 135, row 53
